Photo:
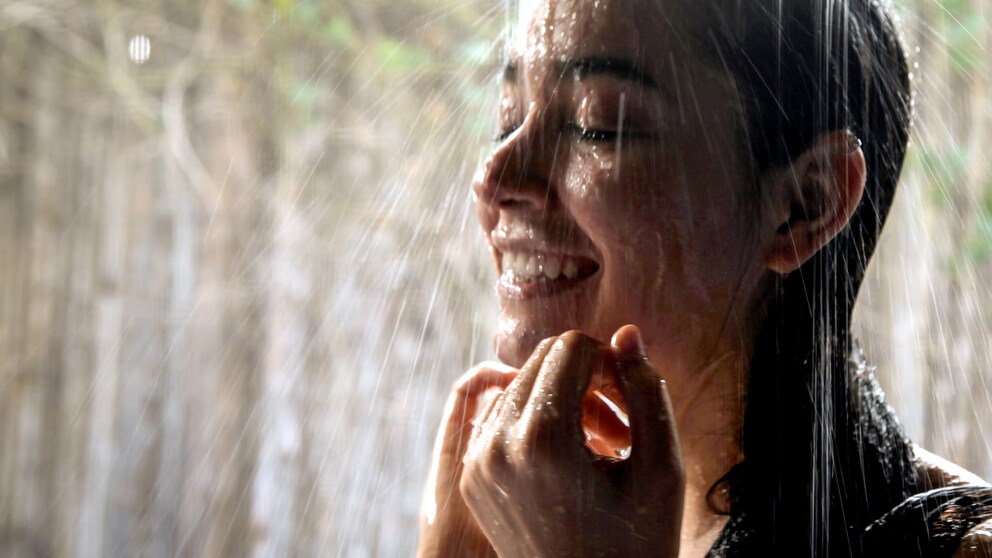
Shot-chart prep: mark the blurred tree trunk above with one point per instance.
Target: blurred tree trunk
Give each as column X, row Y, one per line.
column 926, row 313
column 957, row 360
column 31, row 302
column 238, row 276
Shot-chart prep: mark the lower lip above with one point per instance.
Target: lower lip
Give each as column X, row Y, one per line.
column 510, row 289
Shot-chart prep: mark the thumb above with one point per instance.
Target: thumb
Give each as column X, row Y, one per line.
column 653, row 433
column 628, row 341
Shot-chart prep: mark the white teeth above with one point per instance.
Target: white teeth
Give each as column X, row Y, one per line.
column 519, row 263
column 529, row 266
column 552, row 267
column 570, row 270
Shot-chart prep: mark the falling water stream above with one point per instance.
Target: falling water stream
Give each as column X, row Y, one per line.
column 240, row 265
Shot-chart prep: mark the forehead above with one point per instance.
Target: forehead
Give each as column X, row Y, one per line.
column 647, row 32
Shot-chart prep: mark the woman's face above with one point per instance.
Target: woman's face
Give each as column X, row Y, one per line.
column 616, row 193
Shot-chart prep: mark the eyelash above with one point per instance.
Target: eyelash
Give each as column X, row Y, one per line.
column 594, row 135
column 501, row 135
column 591, row 135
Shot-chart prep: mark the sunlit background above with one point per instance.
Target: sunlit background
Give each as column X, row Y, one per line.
column 239, row 265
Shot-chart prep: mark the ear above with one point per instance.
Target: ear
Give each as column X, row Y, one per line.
column 813, row 198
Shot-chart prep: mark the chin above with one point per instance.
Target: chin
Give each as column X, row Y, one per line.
column 518, row 334
column 515, row 339
column 513, row 345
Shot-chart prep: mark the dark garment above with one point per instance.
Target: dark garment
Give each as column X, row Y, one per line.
column 929, row 524
column 877, row 503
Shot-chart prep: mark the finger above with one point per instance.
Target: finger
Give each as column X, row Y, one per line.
column 606, row 427
column 606, row 382
column 483, row 429
column 654, row 438
column 463, row 403
column 604, row 415
column 554, row 409
column 489, row 409
column 519, row 391
column 482, row 377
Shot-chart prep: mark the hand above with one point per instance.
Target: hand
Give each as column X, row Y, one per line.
column 532, row 482
column 447, row 526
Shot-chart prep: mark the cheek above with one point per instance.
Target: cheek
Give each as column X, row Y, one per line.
column 590, row 181
column 631, row 212
column 617, row 193
column 670, row 228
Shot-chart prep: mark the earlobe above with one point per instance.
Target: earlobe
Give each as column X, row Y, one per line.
column 814, row 199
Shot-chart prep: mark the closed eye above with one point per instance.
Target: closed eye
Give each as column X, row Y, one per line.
column 596, row 135
column 504, row 133
column 593, row 134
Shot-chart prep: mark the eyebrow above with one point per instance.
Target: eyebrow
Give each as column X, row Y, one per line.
column 583, row 67
column 614, row 67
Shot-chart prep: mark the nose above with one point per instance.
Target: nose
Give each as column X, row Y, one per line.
column 518, row 173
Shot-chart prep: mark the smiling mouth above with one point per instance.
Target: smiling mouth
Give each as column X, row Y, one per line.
column 533, row 274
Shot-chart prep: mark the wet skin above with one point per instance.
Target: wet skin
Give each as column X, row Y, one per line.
column 615, row 195
column 628, row 164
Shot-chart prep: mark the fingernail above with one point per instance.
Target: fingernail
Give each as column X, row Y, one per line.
column 628, row 340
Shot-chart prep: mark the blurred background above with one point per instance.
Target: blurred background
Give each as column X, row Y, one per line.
column 239, row 265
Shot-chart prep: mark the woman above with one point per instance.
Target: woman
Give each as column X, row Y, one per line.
column 695, row 168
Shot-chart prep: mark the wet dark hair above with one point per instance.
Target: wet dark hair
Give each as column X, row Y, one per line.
column 823, row 455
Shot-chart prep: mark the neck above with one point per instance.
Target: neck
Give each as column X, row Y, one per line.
column 709, row 412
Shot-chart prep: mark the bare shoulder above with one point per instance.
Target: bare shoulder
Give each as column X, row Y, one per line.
column 977, row 543
column 941, row 473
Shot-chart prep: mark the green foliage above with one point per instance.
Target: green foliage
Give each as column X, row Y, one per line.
column 962, row 24
column 474, row 51
column 401, row 56
column 339, row 31
column 243, row 5
column 309, row 13
column 282, row 7
column 943, row 168
column 979, row 247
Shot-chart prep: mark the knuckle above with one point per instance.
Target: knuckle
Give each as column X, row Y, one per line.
column 492, row 459
column 545, row 343
column 573, row 339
